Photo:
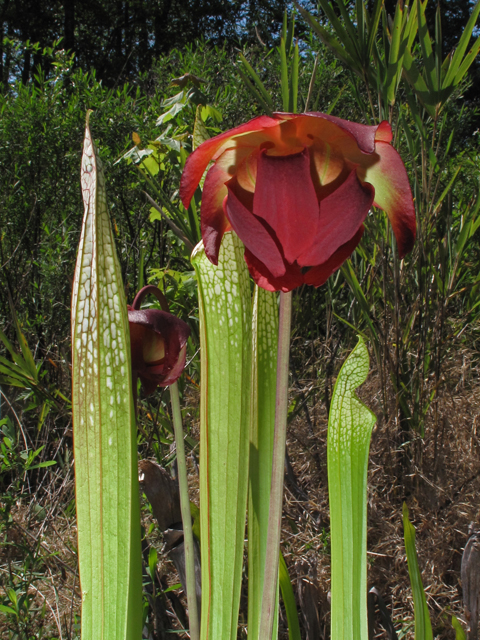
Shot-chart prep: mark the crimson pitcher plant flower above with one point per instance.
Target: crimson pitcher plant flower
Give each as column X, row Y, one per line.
column 158, row 342
column 296, row 189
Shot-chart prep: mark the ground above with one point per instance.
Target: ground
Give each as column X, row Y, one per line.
column 438, row 477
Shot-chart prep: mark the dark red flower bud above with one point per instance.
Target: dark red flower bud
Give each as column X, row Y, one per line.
column 158, row 342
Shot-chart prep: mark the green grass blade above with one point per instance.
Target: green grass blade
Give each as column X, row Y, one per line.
column 351, row 277
column 469, row 58
column 350, row 426
column 253, row 90
column 438, row 46
column 361, row 32
column 448, row 188
column 200, row 133
column 412, row 25
column 289, row 601
column 352, row 37
column 28, row 360
column 330, row 41
column 260, row 86
column 459, row 632
column 290, row 32
column 423, row 627
column 225, row 342
column 284, row 76
column 426, row 47
column 17, row 358
column 13, row 372
column 106, row 475
column 337, row 25
column 373, row 26
column 394, row 58
column 294, row 83
column 451, row 77
column 264, row 381
column 414, row 77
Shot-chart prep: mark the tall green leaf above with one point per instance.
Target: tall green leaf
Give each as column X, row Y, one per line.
column 264, row 379
column 106, row 476
column 459, row 632
column 423, row 626
column 426, row 47
column 284, row 85
column 350, row 425
column 288, row 601
column 225, row 342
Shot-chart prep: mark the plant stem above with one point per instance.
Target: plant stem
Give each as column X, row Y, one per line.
column 278, row 465
column 186, row 515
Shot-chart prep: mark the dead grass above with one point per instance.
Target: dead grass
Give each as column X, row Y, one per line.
column 440, row 482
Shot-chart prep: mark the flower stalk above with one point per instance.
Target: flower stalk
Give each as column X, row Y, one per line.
column 276, row 495
column 186, row 514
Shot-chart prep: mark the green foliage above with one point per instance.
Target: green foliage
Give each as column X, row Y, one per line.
column 423, row 626
column 24, row 618
column 459, row 631
column 289, row 601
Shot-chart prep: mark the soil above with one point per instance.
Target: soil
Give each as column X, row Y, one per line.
column 437, row 476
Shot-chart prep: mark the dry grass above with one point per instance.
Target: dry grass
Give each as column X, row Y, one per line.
column 440, row 484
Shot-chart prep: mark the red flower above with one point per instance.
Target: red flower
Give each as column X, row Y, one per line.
column 296, row 190
column 158, row 342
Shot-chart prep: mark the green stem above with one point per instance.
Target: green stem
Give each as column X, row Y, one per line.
column 186, row 515
column 276, row 494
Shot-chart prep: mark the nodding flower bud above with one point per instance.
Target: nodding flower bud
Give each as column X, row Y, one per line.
column 158, row 342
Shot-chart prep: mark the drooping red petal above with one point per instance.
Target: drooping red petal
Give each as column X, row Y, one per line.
column 285, row 198
column 213, row 221
column 254, row 235
column 341, row 215
column 291, row 279
column 320, row 274
column 198, row 161
column 386, row 172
